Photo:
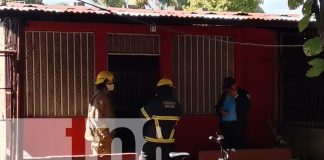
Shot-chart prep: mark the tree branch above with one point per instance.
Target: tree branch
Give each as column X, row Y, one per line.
column 316, row 9
column 320, row 18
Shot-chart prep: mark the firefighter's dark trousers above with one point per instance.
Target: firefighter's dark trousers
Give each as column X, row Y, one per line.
column 150, row 149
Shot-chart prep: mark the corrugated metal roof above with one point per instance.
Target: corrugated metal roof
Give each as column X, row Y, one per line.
column 19, row 7
column 149, row 13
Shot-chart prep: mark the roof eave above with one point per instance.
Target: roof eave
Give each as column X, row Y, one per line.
column 159, row 20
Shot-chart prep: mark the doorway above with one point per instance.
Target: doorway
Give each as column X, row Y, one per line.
column 134, row 60
column 136, row 78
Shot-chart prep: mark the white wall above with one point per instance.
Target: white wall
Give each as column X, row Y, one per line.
column 2, row 99
column 306, row 142
column 2, row 73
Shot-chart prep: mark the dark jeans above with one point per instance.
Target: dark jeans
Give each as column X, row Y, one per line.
column 233, row 135
column 150, row 150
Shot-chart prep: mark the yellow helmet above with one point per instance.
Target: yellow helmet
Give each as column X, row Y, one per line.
column 104, row 75
column 165, row 81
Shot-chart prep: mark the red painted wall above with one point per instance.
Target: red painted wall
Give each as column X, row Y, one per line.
column 254, row 70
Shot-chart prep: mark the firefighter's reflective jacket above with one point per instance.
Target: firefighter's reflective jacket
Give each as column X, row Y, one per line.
column 162, row 114
column 99, row 108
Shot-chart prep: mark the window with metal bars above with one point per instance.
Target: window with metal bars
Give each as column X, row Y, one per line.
column 200, row 63
column 59, row 73
column 301, row 98
column 133, row 44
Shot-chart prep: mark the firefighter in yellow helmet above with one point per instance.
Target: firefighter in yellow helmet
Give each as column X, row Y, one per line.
column 162, row 114
column 100, row 107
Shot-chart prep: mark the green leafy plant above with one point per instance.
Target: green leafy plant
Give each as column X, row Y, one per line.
column 26, row 1
column 110, row 3
column 313, row 46
column 226, row 5
column 34, row 1
column 141, row 3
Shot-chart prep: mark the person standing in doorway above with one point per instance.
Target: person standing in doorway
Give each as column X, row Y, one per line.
column 232, row 107
column 100, row 107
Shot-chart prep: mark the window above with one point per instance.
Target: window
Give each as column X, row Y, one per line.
column 59, row 73
column 133, row 44
column 302, row 98
column 200, row 63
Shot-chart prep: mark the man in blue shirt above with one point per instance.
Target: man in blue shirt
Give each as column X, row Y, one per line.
column 232, row 108
column 229, row 106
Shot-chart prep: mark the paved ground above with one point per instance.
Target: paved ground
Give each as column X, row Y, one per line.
column 2, row 140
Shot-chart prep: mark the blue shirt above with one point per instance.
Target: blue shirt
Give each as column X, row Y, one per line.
column 230, row 107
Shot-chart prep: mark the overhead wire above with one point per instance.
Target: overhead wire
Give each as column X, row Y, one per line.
column 185, row 33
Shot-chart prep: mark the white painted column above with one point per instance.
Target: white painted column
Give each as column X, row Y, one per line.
column 3, row 143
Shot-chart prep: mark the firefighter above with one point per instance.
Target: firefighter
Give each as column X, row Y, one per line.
column 100, row 107
column 162, row 114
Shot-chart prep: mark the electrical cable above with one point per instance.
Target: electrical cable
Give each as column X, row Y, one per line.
column 184, row 33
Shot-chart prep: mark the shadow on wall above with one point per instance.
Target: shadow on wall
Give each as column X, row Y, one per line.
column 307, row 143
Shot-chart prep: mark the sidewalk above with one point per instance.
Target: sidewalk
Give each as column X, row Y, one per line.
column 2, row 139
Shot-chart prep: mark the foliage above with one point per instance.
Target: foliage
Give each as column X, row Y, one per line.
column 166, row 3
column 193, row 5
column 317, row 67
column 34, row 1
column 226, row 5
column 141, row 3
column 110, row 3
column 63, row 4
column 294, row 4
column 27, row 1
column 313, row 46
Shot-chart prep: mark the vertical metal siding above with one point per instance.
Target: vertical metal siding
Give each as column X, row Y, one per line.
column 59, row 73
column 200, row 63
column 310, row 95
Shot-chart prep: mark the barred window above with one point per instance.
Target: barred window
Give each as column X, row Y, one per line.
column 59, row 73
column 133, row 44
column 301, row 98
column 200, row 63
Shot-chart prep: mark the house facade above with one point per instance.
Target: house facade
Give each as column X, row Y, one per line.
column 56, row 52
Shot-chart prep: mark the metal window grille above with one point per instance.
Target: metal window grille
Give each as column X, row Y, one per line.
column 301, row 98
column 200, row 63
column 133, row 44
column 59, row 73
